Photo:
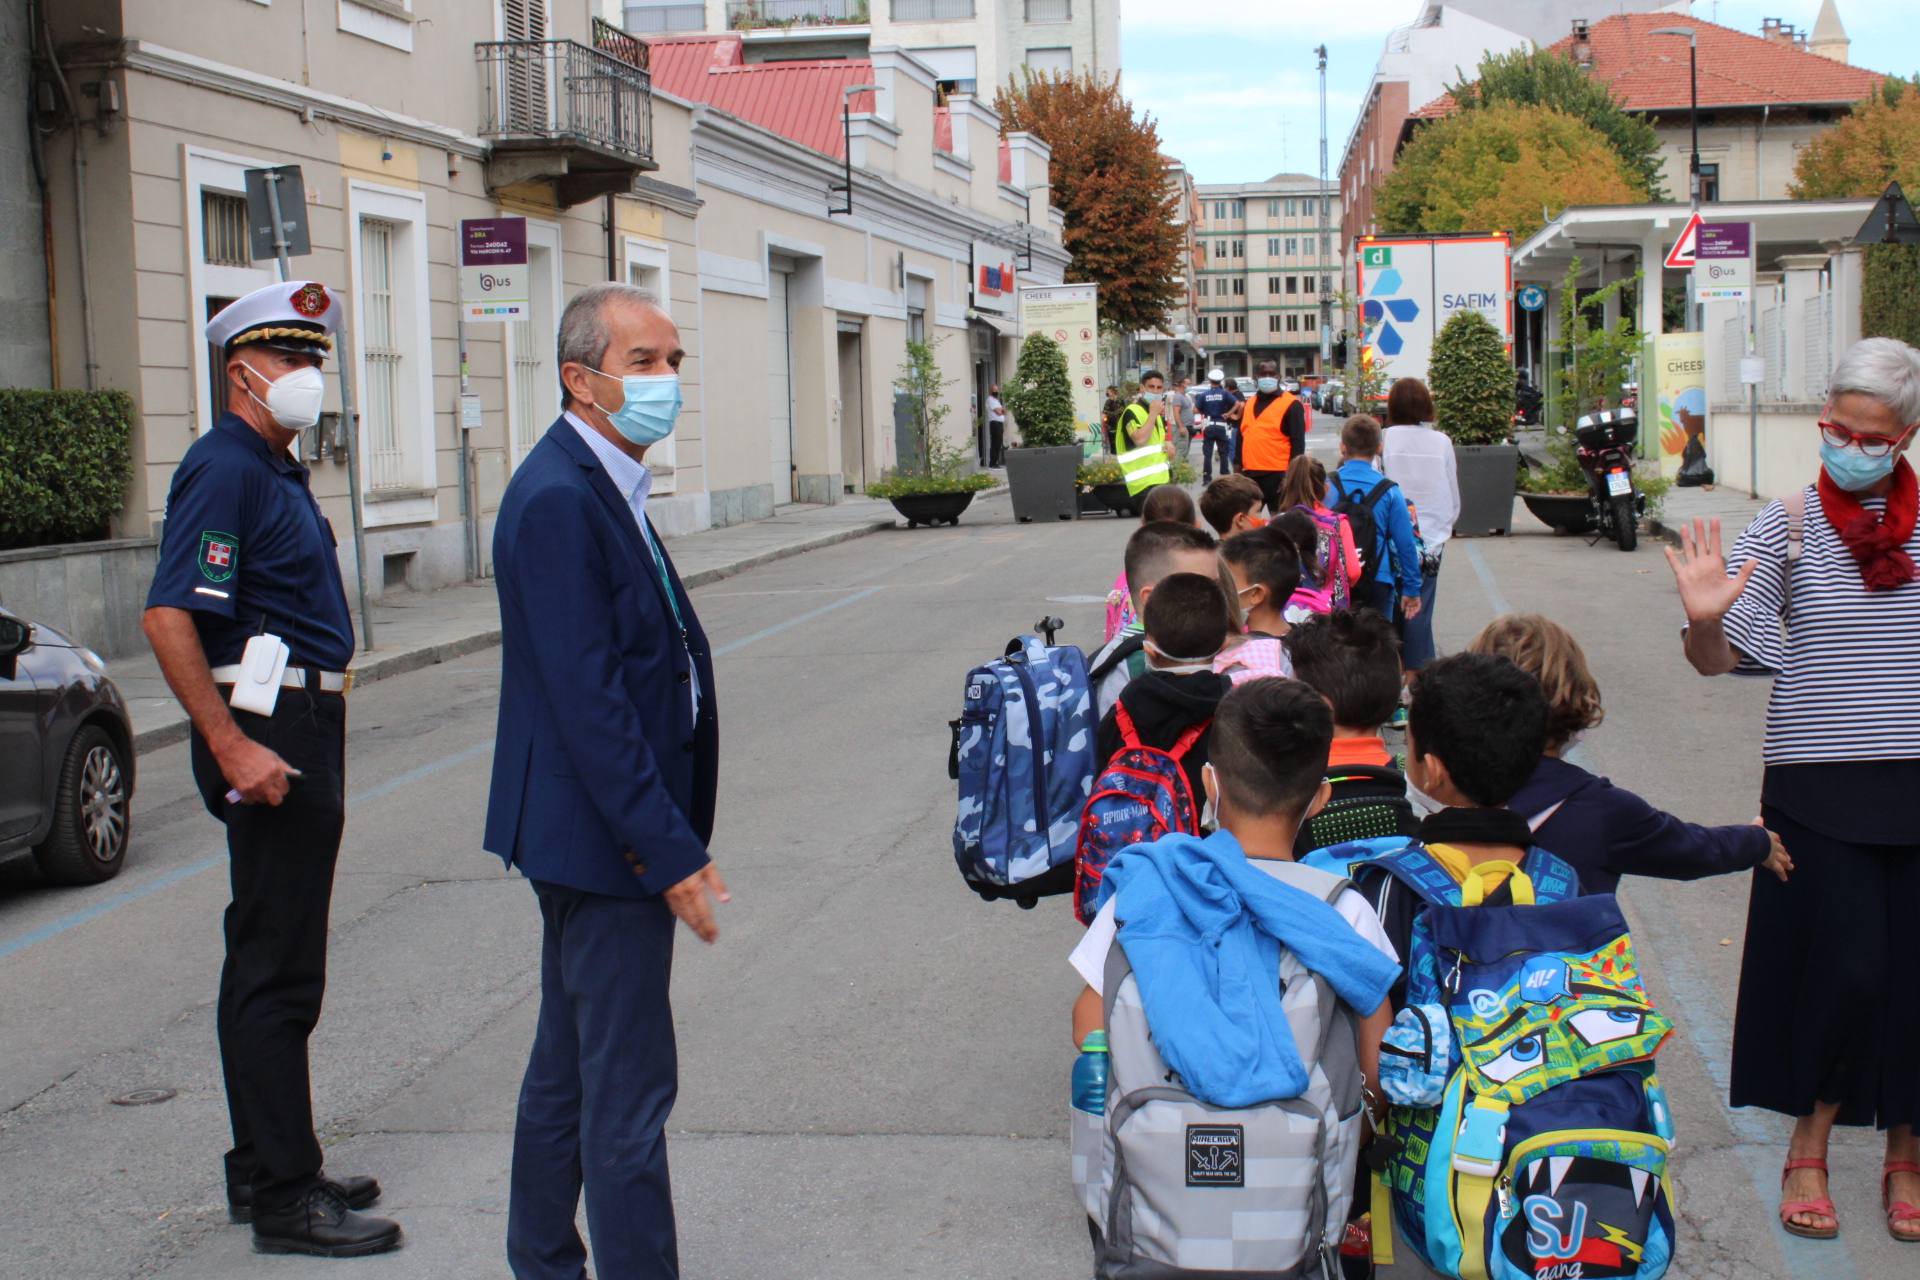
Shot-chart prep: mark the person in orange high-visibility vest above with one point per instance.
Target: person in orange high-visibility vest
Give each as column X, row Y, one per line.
column 1273, row 432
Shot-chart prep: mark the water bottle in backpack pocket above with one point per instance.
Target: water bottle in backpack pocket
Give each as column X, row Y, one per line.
column 1023, row 755
column 1141, row 795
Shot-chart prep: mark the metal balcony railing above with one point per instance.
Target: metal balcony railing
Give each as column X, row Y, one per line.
column 565, row 92
column 753, row 15
column 932, row 10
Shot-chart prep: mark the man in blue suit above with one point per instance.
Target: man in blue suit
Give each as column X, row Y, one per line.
column 604, row 773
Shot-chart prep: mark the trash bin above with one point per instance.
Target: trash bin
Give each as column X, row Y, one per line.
column 1487, row 473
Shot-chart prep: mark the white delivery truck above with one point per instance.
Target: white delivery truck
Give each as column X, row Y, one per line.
column 1410, row 286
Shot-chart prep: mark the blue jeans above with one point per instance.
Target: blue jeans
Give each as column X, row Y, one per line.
column 1416, row 634
column 599, row 1086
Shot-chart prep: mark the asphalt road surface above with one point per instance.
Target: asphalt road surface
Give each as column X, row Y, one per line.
column 873, row 1063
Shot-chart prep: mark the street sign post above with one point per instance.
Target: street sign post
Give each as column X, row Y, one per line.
column 494, row 281
column 1723, row 262
column 277, row 216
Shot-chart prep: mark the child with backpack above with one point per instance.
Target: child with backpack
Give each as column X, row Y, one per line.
column 1603, row 831
column 1164, row 502
column 1264, row 568
column 1156, row 549
column 1314, row 594
column 1226, row 1135
column 1232, row 505
column 1337, row 565
column 1382, row 526
column 1526, row 1133
column 1351, row 657
column 1151, row 746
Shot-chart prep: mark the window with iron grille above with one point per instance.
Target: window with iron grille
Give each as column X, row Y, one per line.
column 650, row 18
column 223, row 230
column 932, row 10
column 379, row 335
column 1049, row 10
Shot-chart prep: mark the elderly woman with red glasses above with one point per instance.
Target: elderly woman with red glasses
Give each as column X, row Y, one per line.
column 1826, row 600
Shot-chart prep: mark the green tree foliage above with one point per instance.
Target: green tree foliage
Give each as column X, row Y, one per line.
column 937, row 461
column 1040, row 394
column 1890, row 294
column 1472, row 380
column 1502, row 168
column 64, row 463
column 1597, row 360
column 1110, row 180
column 1877, row 144
column 1547, row 79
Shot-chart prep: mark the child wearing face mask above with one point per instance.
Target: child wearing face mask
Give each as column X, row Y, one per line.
column 1187, row 622
column 1264, row 567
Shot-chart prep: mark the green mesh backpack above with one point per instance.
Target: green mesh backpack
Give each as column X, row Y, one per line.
column 1369, row 803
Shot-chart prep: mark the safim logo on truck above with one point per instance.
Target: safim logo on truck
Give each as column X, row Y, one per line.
column 1382, row 308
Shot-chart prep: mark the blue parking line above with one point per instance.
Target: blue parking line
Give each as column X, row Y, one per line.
column 794, row 622
column 179, row 874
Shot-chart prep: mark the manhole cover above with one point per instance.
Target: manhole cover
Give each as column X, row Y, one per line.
column 144, row 1097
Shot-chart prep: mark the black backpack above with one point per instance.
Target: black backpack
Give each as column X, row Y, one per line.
column 1369, row 802
column 1366, row 530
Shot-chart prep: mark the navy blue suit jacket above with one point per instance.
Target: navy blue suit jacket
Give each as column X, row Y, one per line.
column 602, row 778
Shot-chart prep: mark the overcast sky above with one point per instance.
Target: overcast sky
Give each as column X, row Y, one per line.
column 1234, row 87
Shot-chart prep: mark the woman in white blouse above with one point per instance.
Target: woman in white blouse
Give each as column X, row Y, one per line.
column 1826, row 600
column 1420, row 460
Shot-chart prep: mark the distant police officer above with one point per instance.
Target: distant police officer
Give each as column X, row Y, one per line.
column 245, row 552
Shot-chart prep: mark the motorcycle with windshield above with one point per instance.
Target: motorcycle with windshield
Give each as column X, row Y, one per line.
column 1604, row 445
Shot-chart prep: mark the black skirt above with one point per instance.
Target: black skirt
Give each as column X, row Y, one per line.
column 1829, row 1006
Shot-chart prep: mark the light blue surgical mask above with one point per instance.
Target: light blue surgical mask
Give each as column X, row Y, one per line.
column 1853, row 470
column 1268, row 386
column 652, row 404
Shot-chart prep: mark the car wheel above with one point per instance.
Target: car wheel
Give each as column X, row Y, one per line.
column 91, row 812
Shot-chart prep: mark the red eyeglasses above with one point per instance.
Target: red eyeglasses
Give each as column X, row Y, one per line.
column 1873, row 446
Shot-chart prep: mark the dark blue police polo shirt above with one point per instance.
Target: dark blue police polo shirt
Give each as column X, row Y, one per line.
column 244, row 543
column 1214, row 402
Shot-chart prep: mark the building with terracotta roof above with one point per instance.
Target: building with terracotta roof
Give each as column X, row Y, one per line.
column 973, row 46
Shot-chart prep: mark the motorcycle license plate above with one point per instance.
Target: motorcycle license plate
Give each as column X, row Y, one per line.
column 1619, row 483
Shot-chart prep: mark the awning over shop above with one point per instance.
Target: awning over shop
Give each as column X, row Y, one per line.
column 1001, row 325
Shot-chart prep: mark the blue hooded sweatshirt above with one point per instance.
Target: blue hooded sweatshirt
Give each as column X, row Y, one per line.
column 1203, row 930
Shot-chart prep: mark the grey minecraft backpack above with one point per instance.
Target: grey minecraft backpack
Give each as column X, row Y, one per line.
column 1177, row 1188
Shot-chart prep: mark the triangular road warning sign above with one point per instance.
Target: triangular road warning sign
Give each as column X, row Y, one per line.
column 1891, row 222
column 1681, row 256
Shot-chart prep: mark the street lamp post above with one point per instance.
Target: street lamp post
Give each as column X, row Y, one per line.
column 1326, row 228
column 1693, row 74
column 846, row 133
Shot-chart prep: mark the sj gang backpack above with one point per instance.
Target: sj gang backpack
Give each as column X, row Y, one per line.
column 1141, row 795
column 1528, row 1136
column 1181, row 1190
column 1023, row 755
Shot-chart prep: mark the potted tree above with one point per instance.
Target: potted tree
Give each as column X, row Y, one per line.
column 1042, row 469
column 1473, row 392
column 929, row 487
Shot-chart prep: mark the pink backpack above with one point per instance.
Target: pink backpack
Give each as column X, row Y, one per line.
column 1330, row 567
column 1141, row 795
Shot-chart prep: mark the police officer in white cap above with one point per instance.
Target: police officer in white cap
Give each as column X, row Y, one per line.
column 248, row 594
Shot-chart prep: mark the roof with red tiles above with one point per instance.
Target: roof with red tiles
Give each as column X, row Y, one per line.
column 1649, row 72
column 797, row 100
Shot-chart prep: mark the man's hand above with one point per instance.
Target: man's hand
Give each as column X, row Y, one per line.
column 1409, row 607
column 1700, row 571
column 689, row 900
column 1778, row 860
column 254, row 770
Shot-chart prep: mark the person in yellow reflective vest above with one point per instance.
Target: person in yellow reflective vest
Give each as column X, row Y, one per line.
column 1146, row 457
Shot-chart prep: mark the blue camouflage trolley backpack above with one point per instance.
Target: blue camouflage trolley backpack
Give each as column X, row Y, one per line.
column 1023, row 754
column 1528, row 1135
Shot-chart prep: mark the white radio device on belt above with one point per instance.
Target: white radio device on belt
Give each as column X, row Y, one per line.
column 261, row 667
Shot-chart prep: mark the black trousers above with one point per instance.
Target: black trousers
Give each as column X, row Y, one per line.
column 1269, row 482
column 281, row 859
column 997, row 443
column 1213, row 439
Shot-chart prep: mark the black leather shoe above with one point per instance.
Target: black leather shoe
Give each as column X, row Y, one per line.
column 357, row 1190
column 320, row 1224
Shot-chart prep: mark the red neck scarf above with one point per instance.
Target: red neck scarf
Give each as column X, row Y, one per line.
column 1878, row 542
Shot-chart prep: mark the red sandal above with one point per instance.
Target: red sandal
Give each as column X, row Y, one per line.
column 1899, row 1212
column 1822, row 1206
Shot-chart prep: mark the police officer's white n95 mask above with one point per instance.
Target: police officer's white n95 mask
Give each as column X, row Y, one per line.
column 294, row 398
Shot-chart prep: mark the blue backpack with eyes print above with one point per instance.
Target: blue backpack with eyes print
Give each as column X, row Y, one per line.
column 1528, row 1134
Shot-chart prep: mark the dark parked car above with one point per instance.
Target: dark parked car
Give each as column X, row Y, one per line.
column 66, row 756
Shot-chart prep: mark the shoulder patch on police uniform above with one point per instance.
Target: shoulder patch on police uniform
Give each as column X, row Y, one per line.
column 218, row 552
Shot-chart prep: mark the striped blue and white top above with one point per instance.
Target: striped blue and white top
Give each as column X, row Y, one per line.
column 1845, row 662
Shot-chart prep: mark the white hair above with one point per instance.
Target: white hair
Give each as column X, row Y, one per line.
column 584, row 333
column 1886, row 369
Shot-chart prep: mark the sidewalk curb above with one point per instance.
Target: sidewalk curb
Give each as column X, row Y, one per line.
column 385, row 665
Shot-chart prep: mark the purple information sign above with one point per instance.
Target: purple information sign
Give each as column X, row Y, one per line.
column 1724, row 240
column 493, row 242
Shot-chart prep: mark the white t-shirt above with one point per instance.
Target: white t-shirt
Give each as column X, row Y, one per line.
column 1420, row 461
column 996, row 412
column 1090, row 957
